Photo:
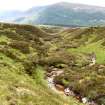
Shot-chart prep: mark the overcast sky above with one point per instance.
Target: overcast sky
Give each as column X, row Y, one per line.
column 26, row 4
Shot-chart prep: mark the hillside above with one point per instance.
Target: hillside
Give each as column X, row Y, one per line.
column 59, row 14
column 65, row 14
column 28, row 54
column 21, row 70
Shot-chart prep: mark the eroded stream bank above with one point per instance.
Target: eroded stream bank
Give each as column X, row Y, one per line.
column 67, row 91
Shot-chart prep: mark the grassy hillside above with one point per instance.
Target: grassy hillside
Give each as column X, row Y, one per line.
column 22, row 70
column 64, row 14
column 27, row 53
column 88, row 80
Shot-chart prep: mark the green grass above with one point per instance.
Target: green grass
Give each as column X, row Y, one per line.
column 21, row 89
column 96, row 47
column 27, row 53
column 21, row 77
column 3, row 38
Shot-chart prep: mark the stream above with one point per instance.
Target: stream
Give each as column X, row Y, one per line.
column 65, row 91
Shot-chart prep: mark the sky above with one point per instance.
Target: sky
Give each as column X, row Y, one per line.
column 26, row 4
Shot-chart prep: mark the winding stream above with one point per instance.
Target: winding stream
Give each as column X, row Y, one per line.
column 62, row 91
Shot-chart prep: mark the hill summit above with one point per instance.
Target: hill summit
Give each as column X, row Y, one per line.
column 62, row 14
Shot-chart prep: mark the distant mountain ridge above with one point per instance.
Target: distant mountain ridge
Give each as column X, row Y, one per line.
column 64, row 14
column 10, row 15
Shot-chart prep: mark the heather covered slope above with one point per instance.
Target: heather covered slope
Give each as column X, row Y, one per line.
column 22, row 81
column 27, row 53
column 81, row 76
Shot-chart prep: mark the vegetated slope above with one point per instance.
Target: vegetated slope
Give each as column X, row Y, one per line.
column 23, row 65
column 28, row 52
column 62, row 14
column 81, row 76
column 65, row 14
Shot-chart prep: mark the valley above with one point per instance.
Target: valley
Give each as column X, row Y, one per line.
column 29, row 54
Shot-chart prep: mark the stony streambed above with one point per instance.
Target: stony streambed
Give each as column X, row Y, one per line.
column 65, row 91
